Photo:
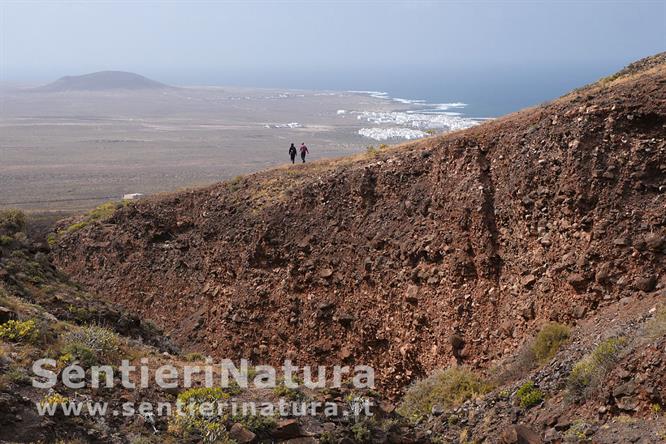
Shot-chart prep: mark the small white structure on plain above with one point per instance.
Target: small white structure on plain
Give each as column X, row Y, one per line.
column 132, row 196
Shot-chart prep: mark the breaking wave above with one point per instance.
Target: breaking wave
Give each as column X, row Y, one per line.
column 419, row 119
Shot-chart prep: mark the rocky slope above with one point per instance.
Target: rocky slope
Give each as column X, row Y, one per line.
column 453, row 249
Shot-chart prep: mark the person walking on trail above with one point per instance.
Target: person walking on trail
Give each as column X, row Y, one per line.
column 292, row 153
column 304, row 151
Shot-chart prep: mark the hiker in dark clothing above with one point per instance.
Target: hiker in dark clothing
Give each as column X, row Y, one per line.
column 304, row 151
column 292, row 153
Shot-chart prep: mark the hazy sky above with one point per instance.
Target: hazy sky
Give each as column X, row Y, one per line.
column 322, row 43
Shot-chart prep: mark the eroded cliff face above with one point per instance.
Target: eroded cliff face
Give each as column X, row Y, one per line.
column 453, row 248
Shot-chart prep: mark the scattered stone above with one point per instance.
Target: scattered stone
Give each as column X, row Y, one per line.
column 519, row 434
column 621, row 242
column 654, row 241
column 241, row 435
column 286, row 429
column 301, row 440
column 646, row 283
column 626, row 389
column 437, row 410
column 7, row 315
column 577, row 281
column 528, row 281
column 411, row 295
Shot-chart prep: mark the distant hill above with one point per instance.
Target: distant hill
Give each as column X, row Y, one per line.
column 103, row 80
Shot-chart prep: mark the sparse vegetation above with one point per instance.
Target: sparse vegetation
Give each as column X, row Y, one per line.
column 255, row 423
column 282, row 391
column 19, row 331
column 576, row 432
column 362, row 432
column 12, row 221
column 371, row 150
column 587, row 374
column 656, row 327
column 235, row 183
column 194, row 424
column 446, row 388
column 194, row 357
column 529, row 395
column 51, row 239
column 101, row 213
column 532, row 353
column 549, row 340
column 54, row 398
column 91, row 345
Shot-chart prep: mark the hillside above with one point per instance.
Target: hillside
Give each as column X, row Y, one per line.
column 450, row 250
column 103, row 81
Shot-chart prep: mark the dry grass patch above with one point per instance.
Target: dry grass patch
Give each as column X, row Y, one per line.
column 445, row 388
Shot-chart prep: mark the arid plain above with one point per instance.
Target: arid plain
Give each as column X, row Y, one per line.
column 71, row 150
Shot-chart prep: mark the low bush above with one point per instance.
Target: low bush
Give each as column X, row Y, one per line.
column 446, row 388
column 54, row 398
column 362, row 431
column 532, row 353
column 91, row 345
column 528, row 395
column 258, row 424
column 549, row 340
column 194, row 424
column 587, row 374
column 293, row 394
column 19, row 331
column 194, row 357
column 11, row 221
column 101, row 213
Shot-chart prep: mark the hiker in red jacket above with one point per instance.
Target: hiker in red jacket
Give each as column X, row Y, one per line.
column 304, row 151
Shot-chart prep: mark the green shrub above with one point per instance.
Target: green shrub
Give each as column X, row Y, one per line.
column 362, row 432
column 194, row 356
column 588, row 373
column 258, row 424
column 576, row 433
column 54, row 398
column 446, row 388
column 101, row 213
column 235, row 183
column 528, row 395
column 193, row 424
column 19, row 331
column 371, row 151
column 6, row 240
column 198, row 395
column 52, row 239
column 11, row 221
column 282, row 391
column 91, row 344
column 549, row 340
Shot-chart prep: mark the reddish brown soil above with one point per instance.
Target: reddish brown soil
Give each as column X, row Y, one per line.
column 547, row 214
